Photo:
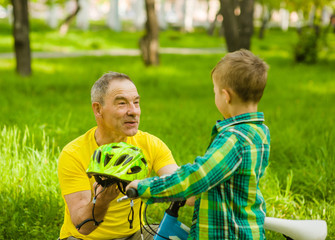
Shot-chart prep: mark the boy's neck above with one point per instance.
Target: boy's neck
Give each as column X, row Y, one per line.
column 238, row 109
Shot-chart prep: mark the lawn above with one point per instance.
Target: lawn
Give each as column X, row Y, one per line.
column 41, row 113
column 100, row 37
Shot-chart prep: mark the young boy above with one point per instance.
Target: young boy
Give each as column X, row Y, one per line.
column 225, row 181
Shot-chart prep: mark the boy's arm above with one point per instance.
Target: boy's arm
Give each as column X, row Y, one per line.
column 219, row 163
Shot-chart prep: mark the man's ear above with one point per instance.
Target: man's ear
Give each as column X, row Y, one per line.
column 96, row 106
column 226, row 94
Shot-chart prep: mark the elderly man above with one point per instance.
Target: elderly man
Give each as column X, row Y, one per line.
column 116, row 106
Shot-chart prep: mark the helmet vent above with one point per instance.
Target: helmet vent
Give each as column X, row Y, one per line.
column 121, row 159
column 115, row 147
column 134, row 148
column 127, row 161
column 99, row 156
column 144, row 161
column 135, row 169
column 108, row 157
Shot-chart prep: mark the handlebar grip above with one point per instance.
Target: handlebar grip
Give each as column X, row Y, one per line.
column 132, row 193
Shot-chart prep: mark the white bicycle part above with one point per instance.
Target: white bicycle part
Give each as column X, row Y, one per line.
column 298, row 229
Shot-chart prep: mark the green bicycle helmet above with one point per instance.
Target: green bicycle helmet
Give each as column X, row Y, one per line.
column 117, row 163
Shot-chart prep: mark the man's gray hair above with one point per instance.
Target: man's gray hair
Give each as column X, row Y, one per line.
column 100, row 87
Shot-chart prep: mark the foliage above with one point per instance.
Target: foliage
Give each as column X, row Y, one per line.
column 306, row 6
column 51, row 2
column 271, row 4
column 4, row 2
column 306, row 50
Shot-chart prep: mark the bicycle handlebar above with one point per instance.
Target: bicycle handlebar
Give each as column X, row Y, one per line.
column 132, row 193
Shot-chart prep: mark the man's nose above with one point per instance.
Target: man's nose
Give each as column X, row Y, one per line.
column 133, row 110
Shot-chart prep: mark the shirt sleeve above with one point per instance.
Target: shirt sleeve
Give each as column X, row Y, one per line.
column 72, row 174
column 162, row 154
column 217, row 165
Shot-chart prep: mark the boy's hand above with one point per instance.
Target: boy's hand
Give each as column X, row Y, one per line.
column 133, row 184
column 190, row 201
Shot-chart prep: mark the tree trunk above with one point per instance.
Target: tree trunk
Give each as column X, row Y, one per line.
column 285, row 19
column 188, row 15
column 52, row 17
column 139, row 19
column 149, row 43
column 237, row 23
column 82, row 19
column 266, row 16
column 113, row 19
column 311, row 17
column 66, row 23
column 230, row 25
column 162, row 16
column 10, row 14
column 212, row 25
column 21, row 37
column 246, row 23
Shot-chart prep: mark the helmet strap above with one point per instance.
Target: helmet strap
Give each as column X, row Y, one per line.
column 96, row 223
column 121, row 187
column 131, row 214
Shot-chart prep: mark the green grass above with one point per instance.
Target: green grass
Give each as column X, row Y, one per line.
column 30, row 191
column 100, row 37
column 41, row 113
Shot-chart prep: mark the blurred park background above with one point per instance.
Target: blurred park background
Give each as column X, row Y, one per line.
column 52, row 51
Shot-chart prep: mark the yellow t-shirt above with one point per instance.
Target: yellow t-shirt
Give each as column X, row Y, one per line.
column 73, row 162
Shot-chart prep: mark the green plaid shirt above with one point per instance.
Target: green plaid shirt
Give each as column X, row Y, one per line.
column 225, row 181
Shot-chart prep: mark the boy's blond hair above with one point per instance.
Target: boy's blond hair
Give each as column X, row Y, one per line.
column 242, row 72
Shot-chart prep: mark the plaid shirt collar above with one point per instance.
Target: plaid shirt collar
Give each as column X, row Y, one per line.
column 243, row 118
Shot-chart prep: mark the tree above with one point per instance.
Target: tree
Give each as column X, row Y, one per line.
column 267, row 8
column 140, row 18
column 82, row 19
column 21, row 37
column 113, row 18
column 7, row 4
column 188, row 7
column 149, row 43
column 52, row 16
column 67, row 21
column 309, row 35
column 238, row 23
column 162, row 15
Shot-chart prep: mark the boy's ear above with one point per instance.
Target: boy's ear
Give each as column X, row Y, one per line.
column 227, row 95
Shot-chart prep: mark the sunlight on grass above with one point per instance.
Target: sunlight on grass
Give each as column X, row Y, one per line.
column 8, row 40
column 7, row 64
column 319, row 88
column 32, row 195
column 43, row 67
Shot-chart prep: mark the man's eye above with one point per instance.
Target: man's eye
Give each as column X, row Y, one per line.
column 122, row 103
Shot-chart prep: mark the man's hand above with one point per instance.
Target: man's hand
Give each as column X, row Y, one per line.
column 109, row 194
column 80, row 206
